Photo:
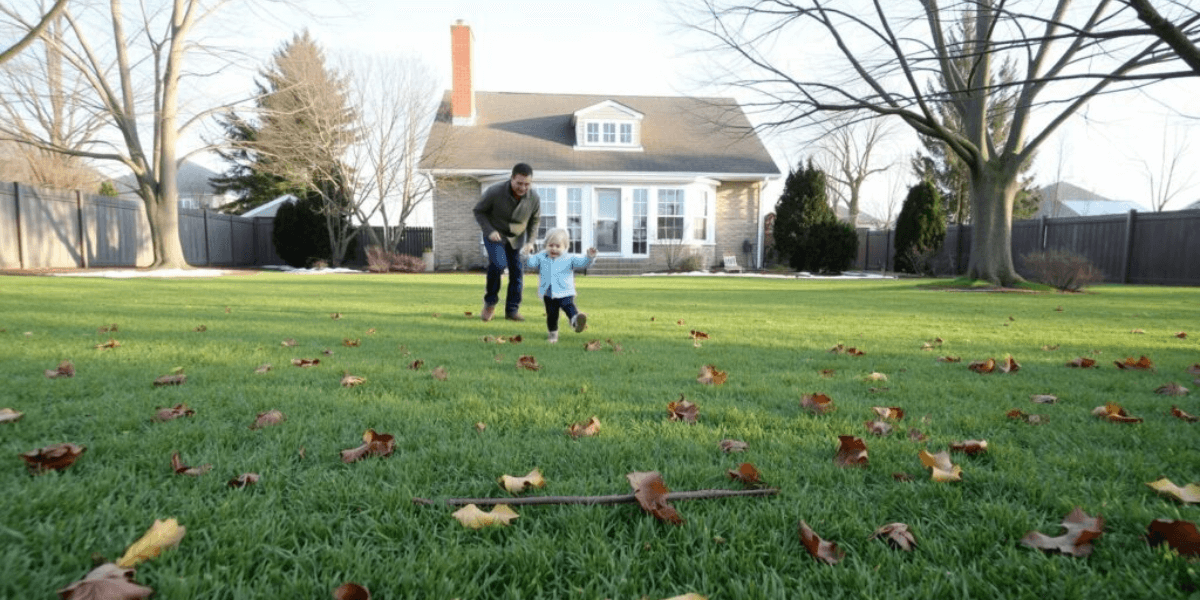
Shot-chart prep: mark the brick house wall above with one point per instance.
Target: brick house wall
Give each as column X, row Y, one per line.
column 738, row 204
column 456, row 237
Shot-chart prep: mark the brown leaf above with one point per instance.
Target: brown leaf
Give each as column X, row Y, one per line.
column 243, row 480
column 875, row 377
column 1082, row 363
column 175, row 379
column 439, row 373
column 108, row 329
column 306, row 362
column 699, row 335
column 8, row 415
column 851, row 452
column 179, row 410
column 201, row 328
column 824, row 551
column 1189, row 493
column 1113, row 412
column 728, row 446
column 1049, row 348
column 416, row 364
column 709, row 375
column 1194, row 369
column 371, row 331
column 265, row 419
column 897, row 535
column 263, row 368
column 827, row 373
column 1022, row 416
column 528, row 362
column 615, row 346
column 593, row 345
column 65, row 369
column 586, row 428
column 983, row 366
column 1181, row 335
column 878, row 427
column 1081, row 531
column 949, row 359
column 1043, row 398
column 1141, row 364
column 682, row 410
column 855, row 352
column 1009, row 365
column 902, row 477
column 817, row 403
column 894, row 413
column 288, row 343
column 941, row 467
column 651, row 494
column 335, row 316
column 374, row 444
column 351, row 591
column 915, row 435
column 1180, row 536
column 351, row 343
column 1171, row 389
column 969, row 447
column 1175, row 411
column 111, row 343
column 747, row 474
column 182, row 469
column 106, row 582
column 350, row 381
column 52, row 458
column 1138, row 331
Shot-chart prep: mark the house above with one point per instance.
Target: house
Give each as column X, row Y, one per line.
column 1065, row 200
column 643, row 179
column 196, row 190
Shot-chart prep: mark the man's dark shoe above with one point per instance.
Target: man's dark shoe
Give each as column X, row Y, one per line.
column 514, row 316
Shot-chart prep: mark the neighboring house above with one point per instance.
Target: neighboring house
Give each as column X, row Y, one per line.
column 1065, row 200
column 269, row 209
column 195, row 188
column 642, row 179
column 1193, row 206
column 865, row 220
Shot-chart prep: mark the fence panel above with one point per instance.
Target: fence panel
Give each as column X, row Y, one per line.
column 10, row 251
column 220, row 246
column 1166, row 248
column 116, row 231
column 1099, row 239
column 243, row 242
column 191, row 236
column 49, row 229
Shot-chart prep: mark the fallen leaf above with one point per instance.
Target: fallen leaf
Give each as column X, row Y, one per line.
column 709, row 375
column 176, row 379
column 1113, row 412
column 439, row 373
column 1194, row 369
column 1141, row 364
column 896, row 535
column 243, row 480
column 1171, row 389
column 271, row 417
column 108, row 329
column 878, row 427
column 1048, row 348
column 875, row 377
column 1181, row 335
column 1188, row 494
column 162, row 535
column 1022, row 416
column 747, row 474
column 467, row 314
column 182, row 469
column 371, row 331
column 728, row 446
column 949, row 359
column 110, row 344
column 1082, row 530
column 851, row 452
column 679, row 322
column 179, row 410
column 351, row 591
column 351, row 343
column 651, row 494
column 1082, row 363
column 855, row 352
column 902, row 477
column 827, row 373
column 615, row 346
column 52, row 458
column 1043, row 398
column 689, row 596
column 1180, row 536
column 306, row 362
column 682, row 410
column 480, row 426
column 201, row 328
column 350, row 381
column 1138, row 331
column 699, row 335
column 374, row 444
column 942, row 468
column 106, row 582
column 416, row 364
column 894, row 413
column 528, row 362
column 263, row 368
column 1009, row 365
column 970, row 447
column 586, row 428
column 824, row 551
column 593, row 345
column 817, row 403
column 517, row 485
column 65, row 369
column 471, row 517
column 335, row 316
column 288, row 343
column 915, row 435
column 983, row 366
column 1175, row 411
column 8, row 415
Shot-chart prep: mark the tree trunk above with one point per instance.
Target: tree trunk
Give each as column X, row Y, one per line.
column 992, row 195
column 162, row 214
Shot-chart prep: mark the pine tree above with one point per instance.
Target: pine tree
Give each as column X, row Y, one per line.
column 920, row 228
column 802, row 206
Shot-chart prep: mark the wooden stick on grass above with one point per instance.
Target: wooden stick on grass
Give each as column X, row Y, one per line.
column 611, row 499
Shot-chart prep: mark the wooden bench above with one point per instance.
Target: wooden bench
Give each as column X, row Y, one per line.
column 731, row 264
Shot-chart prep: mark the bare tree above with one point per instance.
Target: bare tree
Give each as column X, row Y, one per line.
column 32, row 30
column 1173, row 175
column 847, row 146
column 883, row 55
column 1183, row 37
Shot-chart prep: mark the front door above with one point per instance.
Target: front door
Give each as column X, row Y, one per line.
column 608, row 220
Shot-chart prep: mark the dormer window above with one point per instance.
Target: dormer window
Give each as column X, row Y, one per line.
column 609, row 133
column 608, row 126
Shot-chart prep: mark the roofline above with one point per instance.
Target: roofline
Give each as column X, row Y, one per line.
column 606, row 176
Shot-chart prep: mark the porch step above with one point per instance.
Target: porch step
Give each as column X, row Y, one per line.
column 619, row 266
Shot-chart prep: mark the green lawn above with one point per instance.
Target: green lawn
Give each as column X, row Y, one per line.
column 313, row 523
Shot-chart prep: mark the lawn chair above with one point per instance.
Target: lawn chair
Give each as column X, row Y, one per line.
column 731, row 265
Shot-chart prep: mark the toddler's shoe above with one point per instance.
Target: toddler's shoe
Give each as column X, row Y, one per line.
column 579, row 322
column 552, row 337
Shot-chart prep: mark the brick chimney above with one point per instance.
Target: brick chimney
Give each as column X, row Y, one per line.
column 462, row 59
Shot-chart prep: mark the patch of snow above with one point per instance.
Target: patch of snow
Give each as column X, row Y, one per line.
column 800, row 275
column 132, row 273
column 289, row 269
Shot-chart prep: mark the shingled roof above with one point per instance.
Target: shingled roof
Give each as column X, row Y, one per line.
column 709, row 136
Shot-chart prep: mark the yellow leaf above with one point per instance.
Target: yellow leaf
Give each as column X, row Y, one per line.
column 943, row 469
column 516, row 485
column 1189, row 493
column 163, row 534
column 691, row 596
column 470, row 516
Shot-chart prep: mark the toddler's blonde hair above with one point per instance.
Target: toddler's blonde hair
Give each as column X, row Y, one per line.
column 560, row 235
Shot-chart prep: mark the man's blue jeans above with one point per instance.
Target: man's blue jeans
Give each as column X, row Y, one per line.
column 501, row 256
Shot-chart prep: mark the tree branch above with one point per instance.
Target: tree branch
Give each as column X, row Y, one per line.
column 611, row 499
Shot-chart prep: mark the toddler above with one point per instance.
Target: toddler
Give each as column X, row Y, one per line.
column 556, row 280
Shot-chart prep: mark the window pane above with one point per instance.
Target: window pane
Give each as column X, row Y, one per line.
column 575, row 218
column 549, row 208
column 626, row 133
column 610, row 133
column 641, row 206
column 593, row 133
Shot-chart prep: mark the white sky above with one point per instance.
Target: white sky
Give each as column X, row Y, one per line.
column 635, row 47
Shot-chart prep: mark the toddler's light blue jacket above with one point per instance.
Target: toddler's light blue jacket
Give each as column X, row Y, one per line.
column 556, row 276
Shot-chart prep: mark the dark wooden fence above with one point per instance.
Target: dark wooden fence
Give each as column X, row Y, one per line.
column 1136, row 247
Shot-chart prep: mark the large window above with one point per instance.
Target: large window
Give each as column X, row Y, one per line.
column 549, row 209
column 670, row 214
column 627, row 133
column 593, row 133
column 575, row 218
column 700, row 223
column 609, row 133
column 641, row 207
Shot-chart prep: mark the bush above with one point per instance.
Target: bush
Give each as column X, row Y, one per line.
column 382, row 261
column 1062, row 269
column 802, row 206
column 689, row 262
column 300, row 234
column 833, row 247
column 920, row 228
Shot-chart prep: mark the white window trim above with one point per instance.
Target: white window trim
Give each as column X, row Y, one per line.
column 600, row 145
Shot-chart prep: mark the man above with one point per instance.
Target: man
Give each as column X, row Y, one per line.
column 508, row 214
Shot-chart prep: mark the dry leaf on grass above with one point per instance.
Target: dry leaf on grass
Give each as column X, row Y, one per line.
column 587, row 428
column 1082, row 363
column 940, row 466
column 1180, row 536
column 817, row 403
column 728, row 446
column 1194, row 369
column 1181, row 335
column 1141, row 364
column 110, row 344
column 374, row 444
column 709, row 375
column 517, row 485
column 335, row 316
column 593, row 345
column 182, row 469
column 243, row 480
column 351, row 343
column 1188, row 494
column 1043, row 398
column 289, row 343
column 350, row 381
column 651, row 494
column 970, row 447
column 699, row 335
column 439, row 373
column 305, row 362
column 896, row 535
column 65, row 369
column 471, row 517
column 875, row 377
column 174, row 379
column 1020, row 415
column 266, row 419
column 1171, row 389
column 682, row 410
column 174, row 412
column 949, row 359
column 1175, row 411
column 263, row 368
column 351, row 591
column 747, row 474
column 851, row 452
column 528, row 362
column 1113, row 412
column 52, row 458
column 892, row 413
column 880, row 428
column 822, row 550
column 1082, row 530
column 8, row 415
column 162, row 535
column 106, row 582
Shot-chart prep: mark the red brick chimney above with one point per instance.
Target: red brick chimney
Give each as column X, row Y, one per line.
column 462, row 59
